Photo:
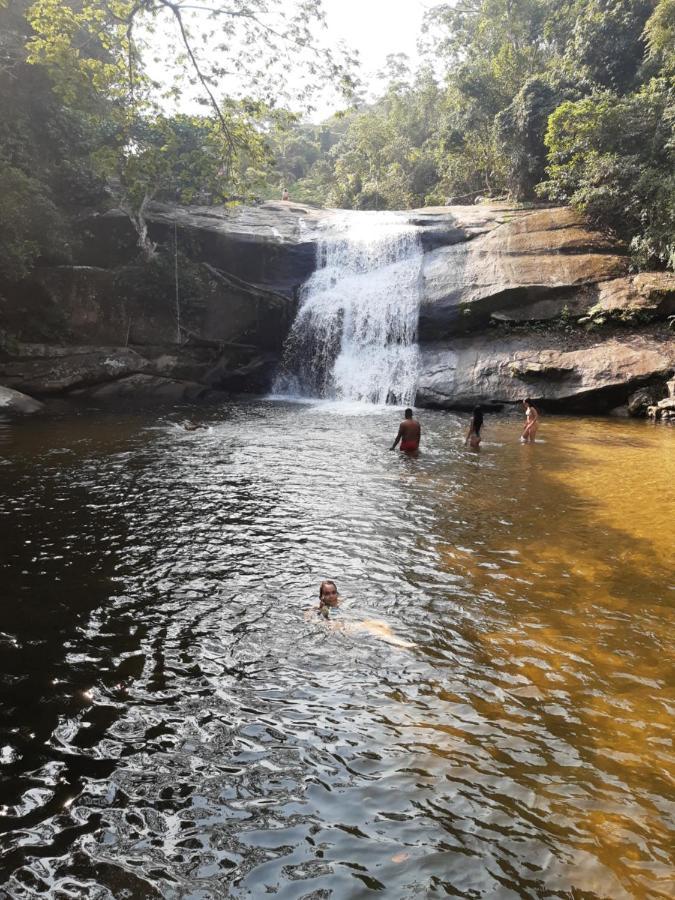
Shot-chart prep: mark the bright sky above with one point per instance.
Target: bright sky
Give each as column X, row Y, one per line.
column 375, row 28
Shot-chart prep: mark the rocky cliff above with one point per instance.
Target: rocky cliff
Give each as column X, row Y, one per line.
column 209, row 313
column 534, row 303
column 515, row 302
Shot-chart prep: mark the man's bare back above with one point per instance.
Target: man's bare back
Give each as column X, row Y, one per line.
column 409, row 433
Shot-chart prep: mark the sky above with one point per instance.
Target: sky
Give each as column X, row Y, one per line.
column 375, row 28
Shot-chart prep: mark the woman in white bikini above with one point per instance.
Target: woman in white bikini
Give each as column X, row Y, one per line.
column 531, row 422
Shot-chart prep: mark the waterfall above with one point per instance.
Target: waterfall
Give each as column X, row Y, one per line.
column 355, row 334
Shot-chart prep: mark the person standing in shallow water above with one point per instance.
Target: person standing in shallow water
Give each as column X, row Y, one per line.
column 409, row 433
column 531, row 422
column 473, row 434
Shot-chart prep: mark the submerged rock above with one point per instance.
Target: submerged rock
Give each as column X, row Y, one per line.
column 14, row 402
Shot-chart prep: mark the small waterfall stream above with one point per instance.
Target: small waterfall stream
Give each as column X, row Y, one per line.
column 355, row 334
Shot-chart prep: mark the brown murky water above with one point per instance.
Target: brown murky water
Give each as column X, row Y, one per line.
column 175, row 725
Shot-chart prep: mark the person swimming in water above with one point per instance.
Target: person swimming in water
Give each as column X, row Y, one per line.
column 531, row 422
column 328, row 598
column 473, row 434
column 409, row 433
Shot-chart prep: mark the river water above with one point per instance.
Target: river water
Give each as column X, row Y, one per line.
column 175, row 724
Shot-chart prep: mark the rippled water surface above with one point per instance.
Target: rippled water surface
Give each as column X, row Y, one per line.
column 175, row 724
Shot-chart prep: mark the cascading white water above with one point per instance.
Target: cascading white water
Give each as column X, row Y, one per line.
column 355, row 334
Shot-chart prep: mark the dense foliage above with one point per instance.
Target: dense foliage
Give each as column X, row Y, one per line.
column 561, row 100
column 83, row 122
column 555, row 100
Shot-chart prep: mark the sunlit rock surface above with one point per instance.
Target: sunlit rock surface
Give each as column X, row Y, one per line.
column 513, row 301
column 498, row 369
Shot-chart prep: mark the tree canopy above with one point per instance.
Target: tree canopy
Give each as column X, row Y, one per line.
column 569, row 101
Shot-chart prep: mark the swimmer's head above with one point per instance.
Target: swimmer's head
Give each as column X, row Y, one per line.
column 408, row 413
column 527, row 401
column 328, row 593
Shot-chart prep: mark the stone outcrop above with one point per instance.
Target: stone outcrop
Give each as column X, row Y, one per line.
column 67, row 328
column 143, row 388
column 271, row 245
column 16, row 403
column 498, row 369
column 514, row 302
column 534, row 303
column 527, row 265
column 47, row 370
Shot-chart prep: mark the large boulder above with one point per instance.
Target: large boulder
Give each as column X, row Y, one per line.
column 43, row 369
column 546, row 258
column 144, row 388
column 271, row 245
column 596, row 376
column 15, row 403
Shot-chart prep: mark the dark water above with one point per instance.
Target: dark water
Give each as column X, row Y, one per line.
column 175, row 725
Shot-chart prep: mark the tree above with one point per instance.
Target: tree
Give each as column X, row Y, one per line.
column 520, row 130
column 614, row 159
column 608, row 42
column 96, row 54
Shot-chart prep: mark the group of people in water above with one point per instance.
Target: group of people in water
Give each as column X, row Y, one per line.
column 410, row 431
column 408, row 437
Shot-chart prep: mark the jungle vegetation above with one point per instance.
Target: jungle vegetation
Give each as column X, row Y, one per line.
column 563, row 101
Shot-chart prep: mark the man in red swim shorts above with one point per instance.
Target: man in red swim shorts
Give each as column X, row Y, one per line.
column 409, row 432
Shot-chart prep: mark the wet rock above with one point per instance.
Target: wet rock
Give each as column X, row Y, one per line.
column 15, row 403
column 145, row 388
column 641, row 400
column 493, row 368
column 44, row 369
column 663, row 410
column 531, row 258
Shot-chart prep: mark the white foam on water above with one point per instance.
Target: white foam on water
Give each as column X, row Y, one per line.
column 355, row 334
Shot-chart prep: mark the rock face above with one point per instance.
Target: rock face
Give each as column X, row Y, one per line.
column 215, row 314
column 49, row 370
column 496, row 370
column 271, row 245
column 528, row 265
column 534, row 303
column 514, row 302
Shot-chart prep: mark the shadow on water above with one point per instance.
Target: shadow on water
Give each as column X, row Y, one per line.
column 177, row 726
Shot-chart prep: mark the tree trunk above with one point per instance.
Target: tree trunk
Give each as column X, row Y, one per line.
column 137, row 217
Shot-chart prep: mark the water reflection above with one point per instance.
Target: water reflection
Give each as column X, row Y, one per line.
column 175, row 726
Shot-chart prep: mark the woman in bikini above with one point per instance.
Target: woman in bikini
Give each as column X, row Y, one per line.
column 531, row 422
column 473, row 434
